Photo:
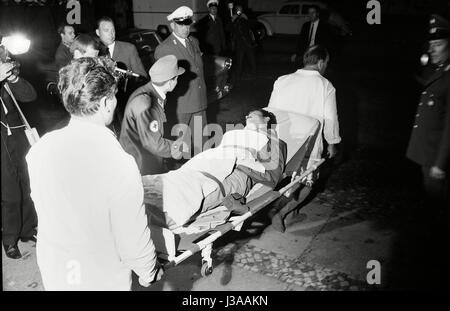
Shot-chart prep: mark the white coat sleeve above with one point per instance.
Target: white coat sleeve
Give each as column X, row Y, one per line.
column 129, row 223
column 331, row 122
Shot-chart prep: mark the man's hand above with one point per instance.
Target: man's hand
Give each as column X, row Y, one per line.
column 332, row 151
column 5, row 71
column 177, row 149
column 437, row 173
column 158, row 275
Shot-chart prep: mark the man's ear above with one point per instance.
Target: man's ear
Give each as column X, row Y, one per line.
column 97, row 32
column 320, row 64
column 172, row 25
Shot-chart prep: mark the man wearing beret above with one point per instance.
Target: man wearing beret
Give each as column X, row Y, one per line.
column 142, row 132
column 190, row 96
column 210, row 27
column 429, row 145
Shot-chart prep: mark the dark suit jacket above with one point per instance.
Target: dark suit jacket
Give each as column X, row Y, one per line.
column 142, row 132
column 127, row 54
column 63, row 56
column 212, row 35
column 323, row 36
column 429, row 144
column 190, row 94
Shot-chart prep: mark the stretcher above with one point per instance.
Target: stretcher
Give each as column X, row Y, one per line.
column 176, row 245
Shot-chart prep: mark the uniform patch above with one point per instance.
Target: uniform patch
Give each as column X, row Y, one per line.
column 154, row 126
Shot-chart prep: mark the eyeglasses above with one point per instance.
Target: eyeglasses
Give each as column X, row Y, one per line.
column 185, row 22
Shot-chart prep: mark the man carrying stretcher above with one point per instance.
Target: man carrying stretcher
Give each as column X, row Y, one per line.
column 244, row 158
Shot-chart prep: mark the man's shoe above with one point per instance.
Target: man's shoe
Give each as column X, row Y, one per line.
column 12, row 251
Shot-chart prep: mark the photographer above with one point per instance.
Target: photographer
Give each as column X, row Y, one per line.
column 19, row 219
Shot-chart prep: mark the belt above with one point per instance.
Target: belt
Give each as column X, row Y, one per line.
column 222, row 189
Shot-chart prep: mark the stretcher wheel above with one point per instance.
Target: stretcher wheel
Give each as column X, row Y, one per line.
column 206, row 270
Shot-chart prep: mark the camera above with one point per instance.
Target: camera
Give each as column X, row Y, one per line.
column 4, row 58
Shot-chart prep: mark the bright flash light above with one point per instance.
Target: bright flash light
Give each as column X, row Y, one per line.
column 16, row 44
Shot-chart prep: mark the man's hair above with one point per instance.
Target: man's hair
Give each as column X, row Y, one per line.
column 266, row 114
column 61, row 28
column 315, row 53
column 316, row 7
column 104, row 19
column 82, row 42
column 84, row 82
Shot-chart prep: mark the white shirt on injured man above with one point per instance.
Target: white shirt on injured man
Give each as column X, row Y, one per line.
column 89, row 199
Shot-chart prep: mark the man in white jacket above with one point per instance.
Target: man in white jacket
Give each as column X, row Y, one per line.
column 307, row 92
column 88, row 192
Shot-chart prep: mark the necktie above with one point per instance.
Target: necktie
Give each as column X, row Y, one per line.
column 311, row 30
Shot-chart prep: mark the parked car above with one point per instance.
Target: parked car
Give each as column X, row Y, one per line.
column 291, row 16
column 216, row 68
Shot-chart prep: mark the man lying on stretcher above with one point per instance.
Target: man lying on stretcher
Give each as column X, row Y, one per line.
column 243, row 158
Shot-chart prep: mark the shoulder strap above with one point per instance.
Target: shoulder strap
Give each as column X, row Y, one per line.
column 22, row 116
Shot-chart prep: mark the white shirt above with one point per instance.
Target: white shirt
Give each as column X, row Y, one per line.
column 88, row 196
column 313, row 36
column 158, row 90
column 183, row 41
column 111, row 48
column 307, row 92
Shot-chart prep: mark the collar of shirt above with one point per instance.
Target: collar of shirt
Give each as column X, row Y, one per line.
column 80, row 123
column 111, row 48
column 213, row 17
column 308, row 72
column 160, row 93
column 183, row 41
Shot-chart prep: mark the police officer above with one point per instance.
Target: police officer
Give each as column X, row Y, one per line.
column 189, row 98
column 429, row 145
column 142, row 133
column 211, row 31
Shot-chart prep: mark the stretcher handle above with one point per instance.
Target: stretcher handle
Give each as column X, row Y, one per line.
column 298, row 179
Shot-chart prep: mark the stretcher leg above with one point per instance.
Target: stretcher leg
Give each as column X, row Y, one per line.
column 207, row 267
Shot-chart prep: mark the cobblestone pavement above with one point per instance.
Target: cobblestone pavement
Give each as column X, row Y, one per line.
column 286, row 269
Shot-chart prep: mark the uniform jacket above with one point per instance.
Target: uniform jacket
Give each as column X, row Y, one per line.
column 429, row 144
column 143, row 130
column 127, row 54
column 190, row 94
column 212, row 35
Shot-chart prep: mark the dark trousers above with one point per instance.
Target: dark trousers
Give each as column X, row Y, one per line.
column 436, row 191
column 196, row 122
column 243, row 53
column 19, row 219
